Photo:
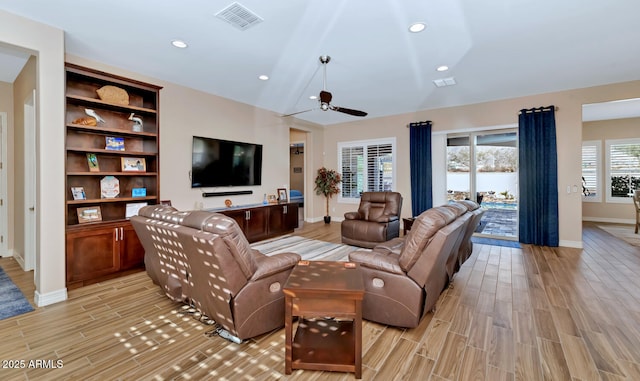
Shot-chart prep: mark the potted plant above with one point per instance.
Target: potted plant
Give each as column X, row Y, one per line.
column 327, row 182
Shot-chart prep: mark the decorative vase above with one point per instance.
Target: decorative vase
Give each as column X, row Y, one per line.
column 327, row 219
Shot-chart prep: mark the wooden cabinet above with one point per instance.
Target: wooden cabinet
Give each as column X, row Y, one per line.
column 265, row 221
column 107, row 139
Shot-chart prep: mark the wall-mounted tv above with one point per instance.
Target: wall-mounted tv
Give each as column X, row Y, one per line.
column 217, row 163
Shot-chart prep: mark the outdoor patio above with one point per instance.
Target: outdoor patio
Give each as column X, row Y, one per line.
column 499, row 222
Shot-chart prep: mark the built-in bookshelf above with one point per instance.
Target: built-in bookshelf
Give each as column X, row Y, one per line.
column 112, row 168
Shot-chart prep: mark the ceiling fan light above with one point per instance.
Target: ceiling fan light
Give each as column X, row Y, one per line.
column 324, row 106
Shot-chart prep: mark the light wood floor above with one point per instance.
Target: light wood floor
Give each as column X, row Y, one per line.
column 535, row 313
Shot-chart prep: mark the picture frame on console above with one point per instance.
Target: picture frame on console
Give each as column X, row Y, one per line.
column 89, row 214
column 282, row 195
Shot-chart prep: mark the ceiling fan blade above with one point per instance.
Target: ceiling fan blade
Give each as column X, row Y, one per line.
column 349, row 111
column 325, row 97
column 299, row 112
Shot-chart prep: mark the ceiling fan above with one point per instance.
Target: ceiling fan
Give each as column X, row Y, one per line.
column 325, row 96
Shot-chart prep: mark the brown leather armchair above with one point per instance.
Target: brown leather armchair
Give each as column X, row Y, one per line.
column 377, row 220
column 404, row 277
column 204, row 259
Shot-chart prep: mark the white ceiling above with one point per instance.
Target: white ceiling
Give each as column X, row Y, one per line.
column 495, row 49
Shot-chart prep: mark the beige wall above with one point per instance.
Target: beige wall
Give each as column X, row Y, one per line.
column 604, row 130
column 47, row 44
column 497, row 114
column 6, row 106
column 23, row 86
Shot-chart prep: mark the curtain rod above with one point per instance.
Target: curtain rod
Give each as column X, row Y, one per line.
column 538, row 109
column 425, row 122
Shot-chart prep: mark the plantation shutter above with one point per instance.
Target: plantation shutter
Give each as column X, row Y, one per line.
column 590, row 170
column 352, row 171
column 379, row 167
column 624, row 168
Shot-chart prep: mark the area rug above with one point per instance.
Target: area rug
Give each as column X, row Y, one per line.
column 12, row 301
column 623, row 232
column 495, row 242
column 309, row 249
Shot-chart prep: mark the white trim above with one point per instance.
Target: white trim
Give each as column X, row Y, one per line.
column 573, row 244
column 476, row 129
column 57, row 296
column 609, row 220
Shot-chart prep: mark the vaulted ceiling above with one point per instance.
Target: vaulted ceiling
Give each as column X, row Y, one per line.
column 494, row 49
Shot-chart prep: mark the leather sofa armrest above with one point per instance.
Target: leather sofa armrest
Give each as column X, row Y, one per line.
column 384, row 219
column 269, row 265
column 394, row 246
column 378, row 260
column 352, row 216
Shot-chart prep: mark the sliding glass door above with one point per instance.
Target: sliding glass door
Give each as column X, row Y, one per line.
column 483, row 166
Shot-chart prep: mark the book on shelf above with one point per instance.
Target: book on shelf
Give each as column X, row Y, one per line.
column 92, row 160
column 78, row 193
column 114, row 143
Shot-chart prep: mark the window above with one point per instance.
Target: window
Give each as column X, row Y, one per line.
column 623, row 169
column 591, row 171
column 366, row 166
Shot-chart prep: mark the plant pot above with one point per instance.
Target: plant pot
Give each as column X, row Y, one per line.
column 327, row 219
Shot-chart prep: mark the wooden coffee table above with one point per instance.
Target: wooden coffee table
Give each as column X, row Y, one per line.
column 327, row 298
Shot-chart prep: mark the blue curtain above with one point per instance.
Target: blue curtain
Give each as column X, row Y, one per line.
column 420, row 162
column 538, row 162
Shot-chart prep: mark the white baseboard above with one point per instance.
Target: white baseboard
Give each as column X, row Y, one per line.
column 574, row 244
column 42, row 300
column 7, row 254
column 19, row 258
column 609, row 220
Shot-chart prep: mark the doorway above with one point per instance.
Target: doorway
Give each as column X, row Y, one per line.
column 483, row 166
column 296, row 177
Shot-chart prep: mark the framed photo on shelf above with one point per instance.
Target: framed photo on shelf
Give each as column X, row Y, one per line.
column 272, row 199
column 138, row 192
column 114, row 143
column 109, row 187
column 282, row 195
column 133, row 208
column 89, row 214
column 133, row 164
column 78, row 193
column 92, row 160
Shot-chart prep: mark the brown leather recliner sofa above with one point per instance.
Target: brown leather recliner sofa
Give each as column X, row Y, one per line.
column 203, row 259
column 404, row 277
column 377, row 220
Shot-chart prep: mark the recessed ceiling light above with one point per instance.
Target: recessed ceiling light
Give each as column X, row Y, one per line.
column 442, row 68
column 179, row 44
column 263, row 77
column 417, row 27
column 313, row 97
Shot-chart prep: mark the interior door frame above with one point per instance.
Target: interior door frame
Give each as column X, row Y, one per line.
column 30, row 159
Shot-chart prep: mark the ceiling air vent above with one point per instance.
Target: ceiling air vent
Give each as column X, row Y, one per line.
column 239, row 16
column 444, row 82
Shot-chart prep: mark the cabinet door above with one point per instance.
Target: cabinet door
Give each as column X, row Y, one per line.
column 239, row 216
column 277, row 219
column 92, row 253
column 256, row 225
column 131, row 250
column 291, row 216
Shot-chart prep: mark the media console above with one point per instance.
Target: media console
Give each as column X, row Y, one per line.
column 264, row 221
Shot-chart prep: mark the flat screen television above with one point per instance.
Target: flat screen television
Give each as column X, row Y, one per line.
column 218, row 163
